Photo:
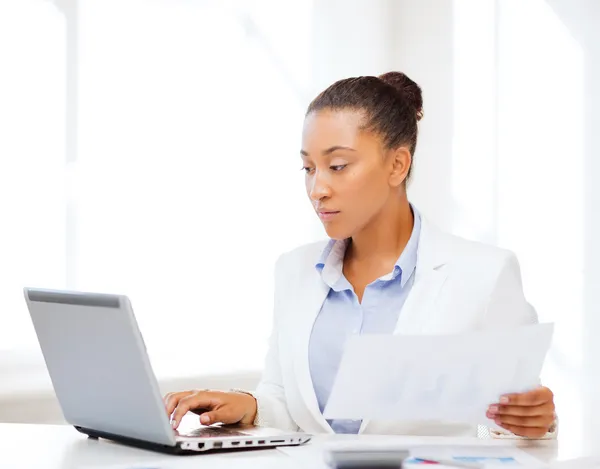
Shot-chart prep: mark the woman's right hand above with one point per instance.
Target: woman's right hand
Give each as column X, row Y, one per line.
column 212, row 406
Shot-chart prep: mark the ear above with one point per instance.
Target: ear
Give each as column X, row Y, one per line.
column 401, row 159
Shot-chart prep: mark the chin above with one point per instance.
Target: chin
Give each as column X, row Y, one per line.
column 337, row 232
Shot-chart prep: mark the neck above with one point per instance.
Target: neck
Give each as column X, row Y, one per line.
column 385, row 236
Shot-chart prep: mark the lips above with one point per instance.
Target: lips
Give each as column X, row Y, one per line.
column 327, row 215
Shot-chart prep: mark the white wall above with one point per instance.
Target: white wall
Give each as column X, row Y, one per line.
column 581, row 19
column 350, row 38
column 422, row 33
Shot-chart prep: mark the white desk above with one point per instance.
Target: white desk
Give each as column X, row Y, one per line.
column 54, row 447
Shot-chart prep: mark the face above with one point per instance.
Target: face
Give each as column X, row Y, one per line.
column 350, row 177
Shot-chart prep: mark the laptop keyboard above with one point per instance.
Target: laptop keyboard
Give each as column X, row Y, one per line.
column 211, row 432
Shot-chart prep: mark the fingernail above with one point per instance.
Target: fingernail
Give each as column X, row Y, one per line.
column 498, row 422
column 204, row 419
column 493, row 409
column 174, row 424
column 504, row 400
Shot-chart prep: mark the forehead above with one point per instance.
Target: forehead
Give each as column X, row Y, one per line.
column 326, row 128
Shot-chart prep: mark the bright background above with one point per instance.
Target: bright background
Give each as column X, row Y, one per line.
column 150, row 147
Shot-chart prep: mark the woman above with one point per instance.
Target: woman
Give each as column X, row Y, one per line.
column 384, row 270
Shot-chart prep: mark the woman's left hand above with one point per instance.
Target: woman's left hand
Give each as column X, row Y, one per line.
column 529, row 414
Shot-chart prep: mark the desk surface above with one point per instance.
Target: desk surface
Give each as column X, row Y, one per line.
column 58, row 446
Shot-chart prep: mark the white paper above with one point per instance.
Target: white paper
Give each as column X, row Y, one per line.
column 445, row 377
column 488, row 456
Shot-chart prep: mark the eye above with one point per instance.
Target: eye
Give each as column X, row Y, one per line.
column 307, row 169
column 338, row 167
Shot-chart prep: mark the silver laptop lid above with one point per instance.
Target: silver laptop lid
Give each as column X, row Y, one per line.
column 98, row 364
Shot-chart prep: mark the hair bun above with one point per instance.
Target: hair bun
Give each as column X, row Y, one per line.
column 407, row 88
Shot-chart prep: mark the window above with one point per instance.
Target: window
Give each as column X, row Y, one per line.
column 153, row 150
column 32, row 156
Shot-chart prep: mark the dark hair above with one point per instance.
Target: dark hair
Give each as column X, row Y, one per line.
column 392, row 104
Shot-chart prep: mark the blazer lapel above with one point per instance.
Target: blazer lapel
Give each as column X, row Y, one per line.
column 420, row 304
column 308, row 305
column 430, row 275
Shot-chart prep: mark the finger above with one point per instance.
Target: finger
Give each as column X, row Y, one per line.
column 173, row 398
column 170, row 400
column 222, row 414
column 537, row 396
column 167, row 396
column 194, row 401
column 528, row 432
column 523, row 411
column 530, row 422
column 215, row 416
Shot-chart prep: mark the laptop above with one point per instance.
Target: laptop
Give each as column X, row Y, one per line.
column 101, row 373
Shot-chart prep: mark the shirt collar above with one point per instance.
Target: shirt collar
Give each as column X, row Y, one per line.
column 331, row 261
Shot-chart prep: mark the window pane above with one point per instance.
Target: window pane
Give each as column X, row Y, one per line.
column 188, row 180
column 32, row 189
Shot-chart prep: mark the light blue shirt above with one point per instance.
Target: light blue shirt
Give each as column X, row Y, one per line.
column 342, row 315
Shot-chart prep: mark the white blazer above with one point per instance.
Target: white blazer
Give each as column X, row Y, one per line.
column 459, row 286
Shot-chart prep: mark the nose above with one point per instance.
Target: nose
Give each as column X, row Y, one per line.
column 318, row 187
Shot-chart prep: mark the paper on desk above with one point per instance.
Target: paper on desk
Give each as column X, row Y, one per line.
column 444, row 377
column 484, row 455
column 491, row 456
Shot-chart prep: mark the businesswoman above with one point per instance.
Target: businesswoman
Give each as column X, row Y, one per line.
column 385, row 270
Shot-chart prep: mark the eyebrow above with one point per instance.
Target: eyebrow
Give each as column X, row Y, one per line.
column 330, row 150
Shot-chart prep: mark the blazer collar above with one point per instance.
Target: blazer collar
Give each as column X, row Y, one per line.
column 434, row 249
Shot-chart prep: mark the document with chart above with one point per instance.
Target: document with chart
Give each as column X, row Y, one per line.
column 437, row 377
